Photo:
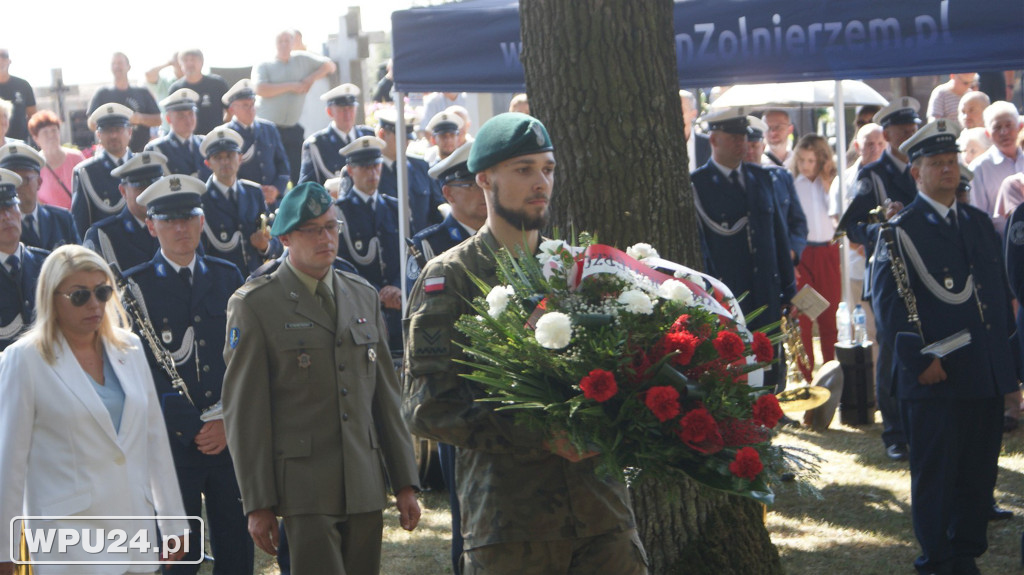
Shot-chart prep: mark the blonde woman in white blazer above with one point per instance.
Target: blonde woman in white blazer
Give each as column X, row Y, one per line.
column 64, row 451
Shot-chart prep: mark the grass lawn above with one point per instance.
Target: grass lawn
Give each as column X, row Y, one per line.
column 862, row 526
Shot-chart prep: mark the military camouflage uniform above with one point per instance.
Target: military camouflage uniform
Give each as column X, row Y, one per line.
column 519, row 500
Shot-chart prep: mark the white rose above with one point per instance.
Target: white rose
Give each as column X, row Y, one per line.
column 636, row 301
column 641, row 251
column 550, row 250
column 676, row 291
column 497, row 300
column 554, row 330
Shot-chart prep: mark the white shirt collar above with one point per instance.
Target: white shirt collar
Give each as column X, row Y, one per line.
column 349, row 134
column 191, row 265
column 728, row 171
column 900, row 164
column 941, row 209
column 17, row 252
column 366, row 197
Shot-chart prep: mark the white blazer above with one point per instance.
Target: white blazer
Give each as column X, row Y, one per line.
column 60, row 455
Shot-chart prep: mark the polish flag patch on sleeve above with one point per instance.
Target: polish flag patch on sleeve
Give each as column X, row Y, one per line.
column 433, row 285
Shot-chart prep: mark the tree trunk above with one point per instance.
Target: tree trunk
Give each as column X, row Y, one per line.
column 601, row 75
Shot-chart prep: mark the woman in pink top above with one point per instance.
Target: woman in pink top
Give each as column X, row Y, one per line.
column 55, row 185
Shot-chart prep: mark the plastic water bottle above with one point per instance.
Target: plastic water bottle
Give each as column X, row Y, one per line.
column 860, row 325
column 843, row 323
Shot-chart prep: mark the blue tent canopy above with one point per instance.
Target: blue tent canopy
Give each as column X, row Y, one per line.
column 731, row 41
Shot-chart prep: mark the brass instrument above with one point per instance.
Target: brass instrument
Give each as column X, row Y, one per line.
column 794, row 348
column 148, row 332
column 899, row 273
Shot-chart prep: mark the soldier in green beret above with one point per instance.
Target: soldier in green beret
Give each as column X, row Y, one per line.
column 530, row 504
column 310, row 388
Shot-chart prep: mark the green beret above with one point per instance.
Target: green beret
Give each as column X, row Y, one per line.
column 302, row 203
column 505, row 136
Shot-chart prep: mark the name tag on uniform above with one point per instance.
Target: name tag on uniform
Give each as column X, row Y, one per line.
column 299, row 325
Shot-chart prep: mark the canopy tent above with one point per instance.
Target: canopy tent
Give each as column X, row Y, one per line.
column 731, row 41
column 721, row 42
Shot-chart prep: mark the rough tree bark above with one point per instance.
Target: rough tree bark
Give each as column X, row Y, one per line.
column 601, row 75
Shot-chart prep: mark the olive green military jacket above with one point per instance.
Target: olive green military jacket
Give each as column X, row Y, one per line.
column 510, row 487
column 311, row 406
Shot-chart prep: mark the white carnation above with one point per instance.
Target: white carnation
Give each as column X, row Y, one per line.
column 641, row 251
column 554, row 330
column 550, row 250
column 636, row 301
column 676, row 291
column 497, row 300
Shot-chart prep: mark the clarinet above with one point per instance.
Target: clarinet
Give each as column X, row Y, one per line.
column 899, row 274
column 148, row 332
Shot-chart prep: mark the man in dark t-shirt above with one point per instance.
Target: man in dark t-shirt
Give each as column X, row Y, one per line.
column 147, row 113
column 210, row 87
column 19, row 93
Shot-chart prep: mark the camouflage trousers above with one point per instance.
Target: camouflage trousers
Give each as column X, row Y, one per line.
column 619, row 553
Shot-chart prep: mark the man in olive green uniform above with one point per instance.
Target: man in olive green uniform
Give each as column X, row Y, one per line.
column 311, row 402
column 530, row 503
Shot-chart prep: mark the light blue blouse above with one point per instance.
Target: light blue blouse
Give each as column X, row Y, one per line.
column 111, row 394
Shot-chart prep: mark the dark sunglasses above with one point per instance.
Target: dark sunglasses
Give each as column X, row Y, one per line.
column 80, row 297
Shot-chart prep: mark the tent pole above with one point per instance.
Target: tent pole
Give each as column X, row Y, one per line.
column 844, row 246
column 402, row 173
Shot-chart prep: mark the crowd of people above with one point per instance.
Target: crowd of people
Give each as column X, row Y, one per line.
column 242, row 285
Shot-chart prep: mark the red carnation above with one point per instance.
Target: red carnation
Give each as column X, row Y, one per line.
column 680, row 322
column 747, row 464
column 767, row 411
column 729, row 346
column 699, row 431
column 739, row 432
column 762, row 347
column 663, row 401
column 599, row 385
column 683, row 342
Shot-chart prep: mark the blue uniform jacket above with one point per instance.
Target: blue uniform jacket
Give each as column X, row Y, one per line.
column 960, row 282
column 121, row 240
column 56, row 228
column 18, row 299
column 369, row 239
column 434, row 241
column 424, row 193
column 875, row 183
column 744, row 239
column 789, row 205
column 94, row 192
column 320, row 158
column 263, row 157
column 182, row 159
column 190, row 323
column 1014, row 256
column 228, row 226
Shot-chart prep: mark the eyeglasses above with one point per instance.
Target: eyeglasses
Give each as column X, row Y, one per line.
column 331, row 227
column 80, row 297
column 467, row 185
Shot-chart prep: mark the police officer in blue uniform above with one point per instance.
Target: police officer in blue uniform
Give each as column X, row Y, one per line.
column 182, row 299
column 444, row 129
column 42, row 226
column 783, row 188
column 94, row 194
column 19, row 265
column 467, row 214
column 123, row 240
column 424, row 193
column 886, row 180
column 263, row 157
column 320, row 158
column 956, row 351
column 743, row 233
column 236, row 214
column 369, row 231
column 181, row 146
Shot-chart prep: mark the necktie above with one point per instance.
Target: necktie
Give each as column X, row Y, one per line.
column 120, row 162
column 30, row 223
column 186, row 276
column 951, row 219
column 15, row 266
column 326, row 299
column 734, row 178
